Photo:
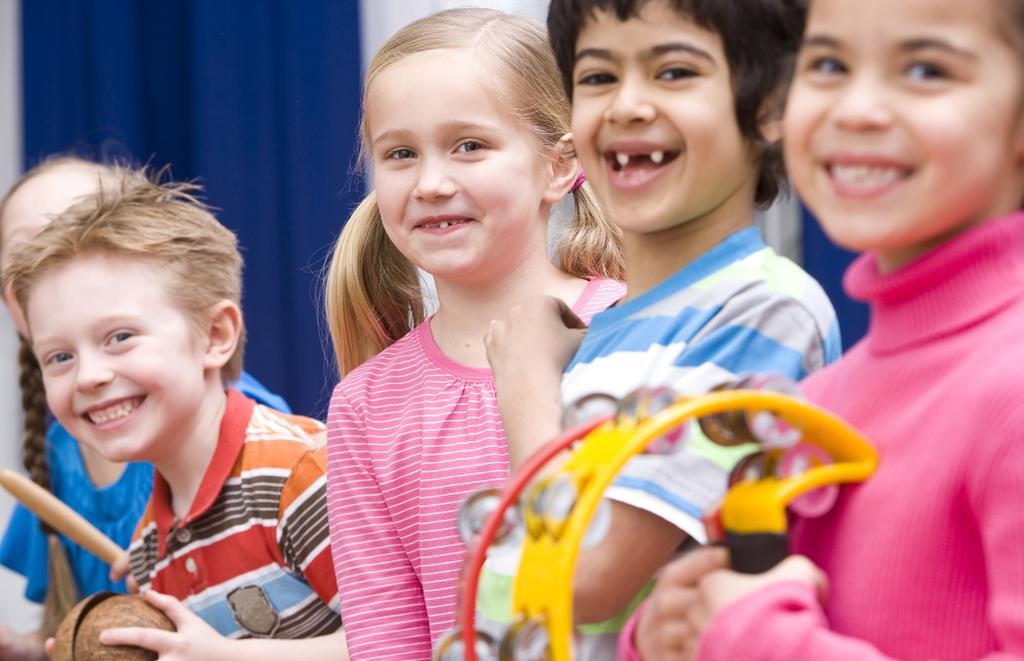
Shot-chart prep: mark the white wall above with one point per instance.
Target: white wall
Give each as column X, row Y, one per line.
column 380, row 19
column 14, row 610
column 783, row 227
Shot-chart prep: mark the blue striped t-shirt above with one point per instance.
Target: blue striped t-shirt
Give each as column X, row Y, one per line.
column 738, row 308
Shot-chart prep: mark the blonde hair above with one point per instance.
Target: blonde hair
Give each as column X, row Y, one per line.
column 372, row 292
column 162, row 223
column 106, row 174
column 62, row 591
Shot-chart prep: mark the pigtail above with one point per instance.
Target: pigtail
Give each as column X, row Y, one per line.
column 33, row 402
column 372, row 295
column 591, row 245
column 62, row 591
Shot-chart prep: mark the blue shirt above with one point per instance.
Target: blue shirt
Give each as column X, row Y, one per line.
column 737, row 309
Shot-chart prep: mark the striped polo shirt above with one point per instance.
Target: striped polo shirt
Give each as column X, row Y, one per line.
column 410, row 434
column 252, row 557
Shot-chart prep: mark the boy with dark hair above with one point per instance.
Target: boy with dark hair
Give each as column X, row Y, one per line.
column 758, row 39
column 675, row 119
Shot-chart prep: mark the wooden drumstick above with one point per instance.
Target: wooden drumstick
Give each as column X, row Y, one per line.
column 61, row 517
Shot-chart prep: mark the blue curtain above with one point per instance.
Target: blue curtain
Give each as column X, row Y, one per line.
column 827, row 263
column 257, row 98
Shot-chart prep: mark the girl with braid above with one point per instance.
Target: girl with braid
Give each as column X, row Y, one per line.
column 112, row 496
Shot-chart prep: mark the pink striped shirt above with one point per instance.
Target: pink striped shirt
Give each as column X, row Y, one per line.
column 410, row 434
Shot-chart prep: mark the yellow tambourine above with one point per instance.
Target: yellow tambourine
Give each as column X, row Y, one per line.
column 557, row 509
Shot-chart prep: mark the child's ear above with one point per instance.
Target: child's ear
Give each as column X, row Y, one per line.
column 565, row 167
column 225, row 329
column 771, row 128
column 769, row 117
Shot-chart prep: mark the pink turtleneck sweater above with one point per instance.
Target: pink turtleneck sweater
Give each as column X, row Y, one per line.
column 926, row 559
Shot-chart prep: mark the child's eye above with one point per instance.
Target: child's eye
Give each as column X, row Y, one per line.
column 57, row 357
column 469, row 146
column 676, row 73
column 599, row 78
column 922, row 71
column 400, row 154
column 829, row 66
column 121, row 336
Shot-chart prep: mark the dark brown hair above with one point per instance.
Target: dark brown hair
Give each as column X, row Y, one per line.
column 760, row 39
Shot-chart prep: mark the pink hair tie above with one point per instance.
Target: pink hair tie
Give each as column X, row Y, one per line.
column 580, row 178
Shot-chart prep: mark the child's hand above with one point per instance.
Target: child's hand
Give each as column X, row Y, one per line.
column 194, row 639
column 20, row 647
column 693, row 590
column 542, row 334
column 528, row 351
column 120, row 569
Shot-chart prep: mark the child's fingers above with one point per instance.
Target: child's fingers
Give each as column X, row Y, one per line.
column 171, row 607
column 48, row 646
column 494, row 329
column 800, row 568
column 689, row 569
column 671, row 602
column 131, row 584
column 665, row 639
column 119, row 569
column 673, row 638
column 155, row 640
column 569, row 318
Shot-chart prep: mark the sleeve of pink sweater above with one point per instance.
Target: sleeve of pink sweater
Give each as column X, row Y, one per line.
column 382, row 605
column 785, row 622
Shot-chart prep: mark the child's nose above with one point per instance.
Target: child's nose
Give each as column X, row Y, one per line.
column 434, row 181
column 631, row 104
column 93, row 371
column 863, row 105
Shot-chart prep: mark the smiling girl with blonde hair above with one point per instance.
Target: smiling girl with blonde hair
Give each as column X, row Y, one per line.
column 466, row 127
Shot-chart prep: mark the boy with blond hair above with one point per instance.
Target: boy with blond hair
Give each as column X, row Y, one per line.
column 132, row 300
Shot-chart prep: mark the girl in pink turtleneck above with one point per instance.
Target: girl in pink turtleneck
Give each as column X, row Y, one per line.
column 904, row 134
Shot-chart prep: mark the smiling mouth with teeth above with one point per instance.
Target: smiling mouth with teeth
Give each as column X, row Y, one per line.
column 658, row 157
column 444, row 224
column 867, row 178
column 116, row 411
